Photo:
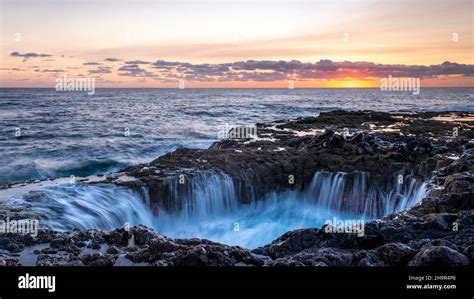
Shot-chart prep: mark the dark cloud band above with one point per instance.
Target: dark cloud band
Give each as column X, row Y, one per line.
column 29, row 55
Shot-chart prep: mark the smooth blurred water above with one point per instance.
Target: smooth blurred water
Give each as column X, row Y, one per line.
column 71, row 133
column 211, row 210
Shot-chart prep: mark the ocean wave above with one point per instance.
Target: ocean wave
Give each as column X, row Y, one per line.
column 51, row 168
column 65, row 128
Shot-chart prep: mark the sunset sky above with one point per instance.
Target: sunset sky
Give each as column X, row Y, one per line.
column 236, row 43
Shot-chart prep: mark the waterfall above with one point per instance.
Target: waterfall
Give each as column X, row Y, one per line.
column 357, row 194
column 208, row 194
column 203, row 195
column 206, row 205
column 211, row 210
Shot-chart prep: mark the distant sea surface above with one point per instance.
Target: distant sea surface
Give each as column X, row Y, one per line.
column 45, row 133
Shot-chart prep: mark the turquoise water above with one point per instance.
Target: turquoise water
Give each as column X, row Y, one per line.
column 212, row 210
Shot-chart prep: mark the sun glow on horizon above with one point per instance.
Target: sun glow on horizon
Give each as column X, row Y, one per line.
column 352, row 83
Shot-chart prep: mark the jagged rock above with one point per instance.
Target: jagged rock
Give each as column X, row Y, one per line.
column 257, row 172
column 328, row 256
column 118, row 237
column 112, row 250
column 395, row 254
column 291, row 243
column 143, row 235
column 97, row 259
column 7, row 260
column 95, row 245
column 439, row 256
column 426, row 243
column 367, row 258
column 58, row 242
column 56, row 259
column 286, row 262
column 14, row 246
column 438, row 231
column 469, row 252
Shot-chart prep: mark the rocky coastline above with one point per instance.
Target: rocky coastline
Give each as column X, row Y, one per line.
column 436, row 147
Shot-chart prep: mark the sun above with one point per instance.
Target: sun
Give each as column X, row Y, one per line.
column 351, row 83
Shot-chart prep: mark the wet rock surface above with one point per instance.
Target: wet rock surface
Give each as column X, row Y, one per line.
column 138, row 245
column 435, row 147
column 374, row 142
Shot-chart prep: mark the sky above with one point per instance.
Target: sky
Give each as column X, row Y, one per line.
column 241, row 44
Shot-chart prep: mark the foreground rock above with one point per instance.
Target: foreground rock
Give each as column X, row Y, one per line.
column 434, row 147
column 122, row 247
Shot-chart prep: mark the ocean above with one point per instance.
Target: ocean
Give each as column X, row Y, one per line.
column 46, row 133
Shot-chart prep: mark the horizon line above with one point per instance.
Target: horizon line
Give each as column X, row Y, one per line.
column 427, row 87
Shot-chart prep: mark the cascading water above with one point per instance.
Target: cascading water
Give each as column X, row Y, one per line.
column 356, row 194
column 68, row 206
column 207, row 206
column 205, row 195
